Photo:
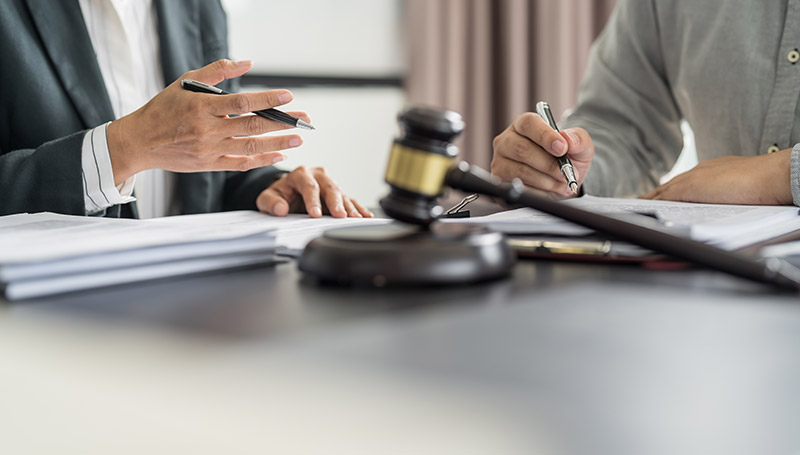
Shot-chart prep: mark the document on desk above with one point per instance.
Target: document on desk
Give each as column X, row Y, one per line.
column 726, row 226
column 292, row 232
column 47, row 253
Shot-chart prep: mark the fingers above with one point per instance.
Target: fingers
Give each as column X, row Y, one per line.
column 520, row 149
column 653, row 194
column 312, row 186
column 361, row 209
column 218, row 71
column 245, row 163
column 534, row 128
column 254, row 125
column 531, row 177
column 580, row 144
column 243, row 103
column 271, row 202
column 334, row 200
column 251, row 146
column 302, row 181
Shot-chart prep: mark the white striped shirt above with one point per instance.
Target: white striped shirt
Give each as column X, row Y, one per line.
column 125, row 40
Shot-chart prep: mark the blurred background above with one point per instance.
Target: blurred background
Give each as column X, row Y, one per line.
column 354, row 64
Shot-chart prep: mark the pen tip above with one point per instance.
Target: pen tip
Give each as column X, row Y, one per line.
column 574, row 187
column 304, row 125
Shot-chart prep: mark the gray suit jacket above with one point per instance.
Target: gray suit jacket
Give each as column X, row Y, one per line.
column 52, row 91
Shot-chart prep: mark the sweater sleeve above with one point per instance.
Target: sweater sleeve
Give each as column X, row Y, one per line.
column 626, row 105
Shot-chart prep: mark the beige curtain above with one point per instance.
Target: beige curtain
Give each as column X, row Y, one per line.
column 491, row 60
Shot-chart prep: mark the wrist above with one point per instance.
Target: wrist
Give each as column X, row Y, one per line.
column 121, row 151
column 782, row 166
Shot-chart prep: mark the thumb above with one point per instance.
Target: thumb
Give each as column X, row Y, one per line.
column 218, row 71
column 579, row 142
column 272, row 203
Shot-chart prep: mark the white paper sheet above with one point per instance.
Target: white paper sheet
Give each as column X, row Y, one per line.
column 292, row 232
column 726, row 226
column 47, row 253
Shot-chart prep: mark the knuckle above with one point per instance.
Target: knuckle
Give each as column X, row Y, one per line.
column 194, row 104
column 521, row 151
column 497, row 142
column 527, row 121
column 251, row 147
column 240, row 103
column 221, row 64
column 524, row 172
column 332, row 188
column 311, row 185
column 272, row 98
column 191, row 130
column 245, row 165
column 253, row 125
column 499, row 167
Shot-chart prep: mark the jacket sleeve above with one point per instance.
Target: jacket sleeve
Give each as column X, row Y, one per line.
column 626, row 105
column 47, row 178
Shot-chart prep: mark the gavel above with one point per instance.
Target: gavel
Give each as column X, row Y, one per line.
column 423, row 163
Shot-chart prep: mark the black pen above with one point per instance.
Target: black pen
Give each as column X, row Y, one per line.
column 272, row 114
column 543, row 109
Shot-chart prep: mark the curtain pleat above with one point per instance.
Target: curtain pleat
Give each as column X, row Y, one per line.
column 491, row 60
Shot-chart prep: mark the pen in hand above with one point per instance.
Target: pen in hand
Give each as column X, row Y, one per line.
column 543, row 109
column 272, row 114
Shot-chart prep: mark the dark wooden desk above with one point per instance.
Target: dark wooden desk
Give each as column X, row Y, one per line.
column 599, row 358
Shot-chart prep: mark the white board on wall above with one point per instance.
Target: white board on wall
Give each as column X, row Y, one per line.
column 357, row 38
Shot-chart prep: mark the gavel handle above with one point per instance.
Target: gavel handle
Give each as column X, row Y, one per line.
column 772, row 271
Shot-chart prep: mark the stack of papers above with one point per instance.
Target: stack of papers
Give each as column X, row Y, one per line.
column 729, row 227
column 45, row 253
column 292, row 232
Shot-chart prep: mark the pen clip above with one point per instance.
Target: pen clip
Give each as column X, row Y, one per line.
column 543, row 109
column 197, row 86
column 457, row 208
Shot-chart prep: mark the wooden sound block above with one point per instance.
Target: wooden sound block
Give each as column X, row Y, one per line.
column 401, row 254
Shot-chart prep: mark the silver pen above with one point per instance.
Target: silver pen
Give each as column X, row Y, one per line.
column 543, row 109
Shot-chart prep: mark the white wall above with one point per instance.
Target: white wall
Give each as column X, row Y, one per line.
column 331, row 37
column 355, row 128
column 357, row 38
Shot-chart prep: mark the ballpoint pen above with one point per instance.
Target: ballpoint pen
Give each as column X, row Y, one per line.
column 543, row 109
column 272, row 114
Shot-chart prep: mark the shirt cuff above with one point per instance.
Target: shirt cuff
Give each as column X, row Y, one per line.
column 795, row 174
column 100, row 192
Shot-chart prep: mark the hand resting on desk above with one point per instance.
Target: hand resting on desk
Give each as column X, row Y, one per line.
column 747, row 180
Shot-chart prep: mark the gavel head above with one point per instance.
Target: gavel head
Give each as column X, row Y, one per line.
column 418, row 163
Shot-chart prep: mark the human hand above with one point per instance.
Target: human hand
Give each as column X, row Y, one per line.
column 311, row 191
column 757, row 180
column 528, row 148
column 183, row 131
